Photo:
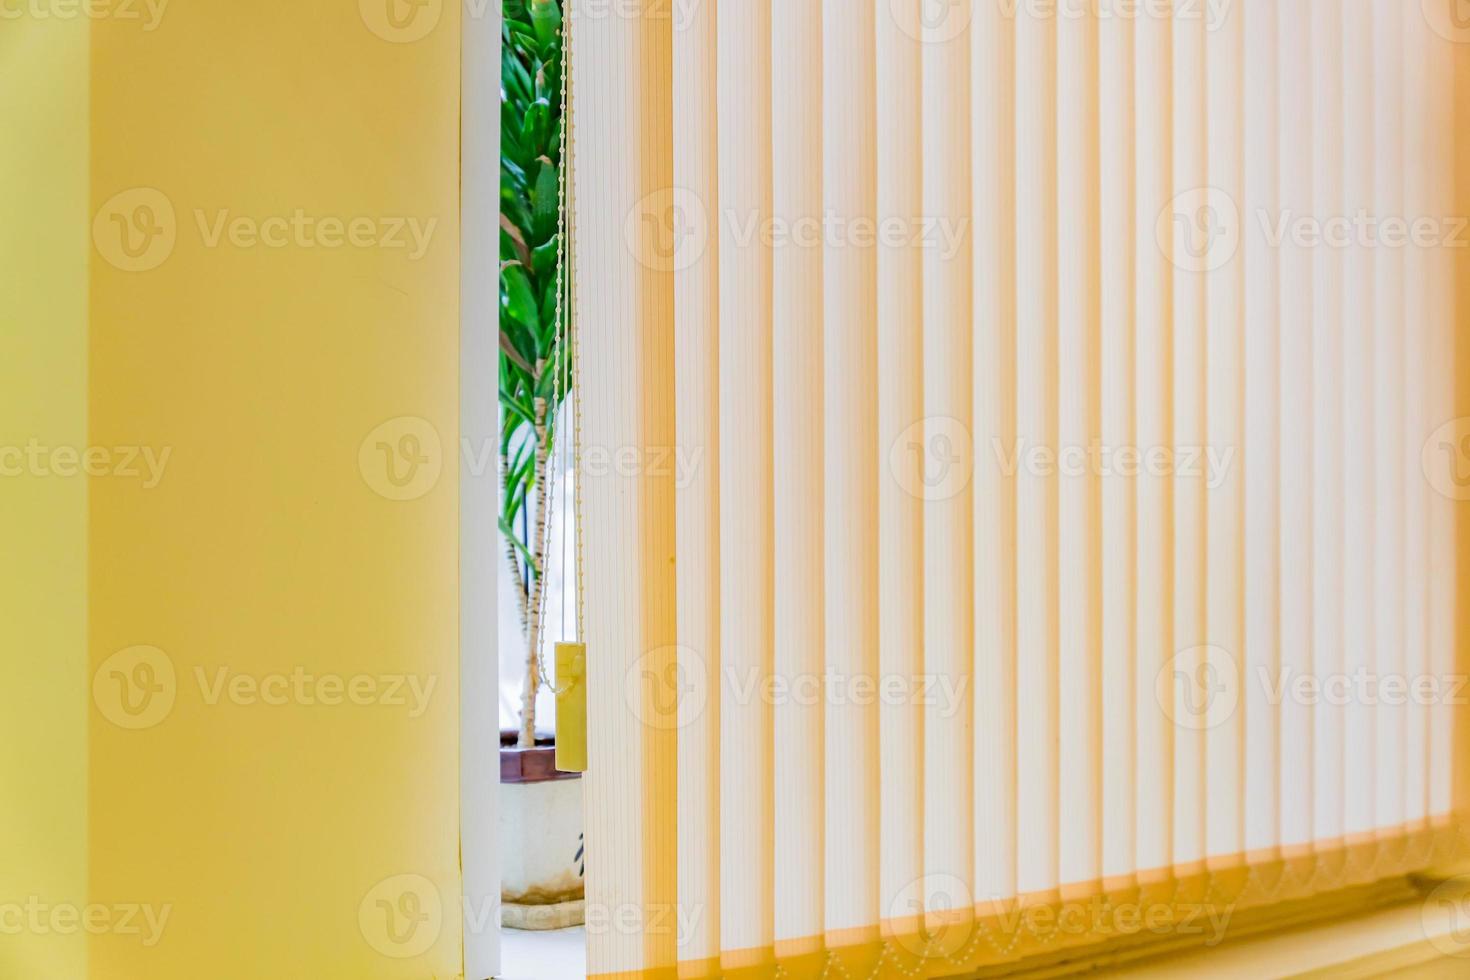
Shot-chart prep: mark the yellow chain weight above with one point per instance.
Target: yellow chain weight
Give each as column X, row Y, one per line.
column 571, row 707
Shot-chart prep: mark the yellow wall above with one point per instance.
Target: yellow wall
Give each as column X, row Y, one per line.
column 43, row 714
column 275, row 838
column 266, row 547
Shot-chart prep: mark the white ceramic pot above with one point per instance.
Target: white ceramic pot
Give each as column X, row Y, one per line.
column 540, row 844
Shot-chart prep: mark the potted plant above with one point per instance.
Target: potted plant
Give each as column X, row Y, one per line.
column 541, row 812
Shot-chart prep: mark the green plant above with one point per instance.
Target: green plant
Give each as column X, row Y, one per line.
column 535, row 359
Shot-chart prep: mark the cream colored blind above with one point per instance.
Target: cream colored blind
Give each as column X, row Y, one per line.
column 1033, row 426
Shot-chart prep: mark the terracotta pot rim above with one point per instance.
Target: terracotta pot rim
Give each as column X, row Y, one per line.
column 535, row 765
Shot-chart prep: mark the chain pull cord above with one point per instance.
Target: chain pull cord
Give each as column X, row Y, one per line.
column 574, row 329
column 563, row 378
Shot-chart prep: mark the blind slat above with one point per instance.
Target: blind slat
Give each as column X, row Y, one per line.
column 1329, row 526
column 1261, row 456
column 1224, row 466
column 948, row 516
column 1192, row 257
column 900, row 508
column 1117, row 250
column 747, row 750
column 1388, row 407
column 1037, row 727
column 797, row 371
column 697, row 516
column 993, row 160
column 1079, row 585
column 1297, row 486
column 1153, row 82
column 849, row 160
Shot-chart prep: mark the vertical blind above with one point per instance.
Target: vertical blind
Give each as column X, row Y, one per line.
column 1027, row 407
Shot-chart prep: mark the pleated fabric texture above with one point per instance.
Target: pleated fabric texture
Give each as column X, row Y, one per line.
column 1025, row 525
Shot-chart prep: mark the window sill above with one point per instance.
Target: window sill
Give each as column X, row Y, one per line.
column 1412, row 937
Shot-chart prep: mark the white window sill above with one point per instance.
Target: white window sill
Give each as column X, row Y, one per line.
column 1416, row 939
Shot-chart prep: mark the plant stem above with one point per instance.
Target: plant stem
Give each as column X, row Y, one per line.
column 538, row 554
column 522, row 599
